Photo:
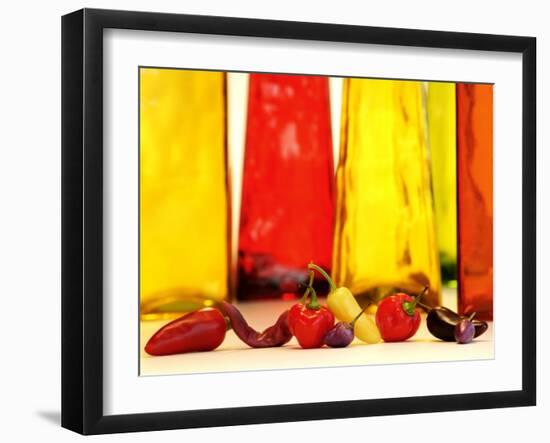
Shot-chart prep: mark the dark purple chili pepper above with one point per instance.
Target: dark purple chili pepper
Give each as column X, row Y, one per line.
column 276, row 335
column 441, row 322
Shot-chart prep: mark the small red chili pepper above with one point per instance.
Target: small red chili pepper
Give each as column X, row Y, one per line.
column 202, row 330
column 310, row 322
column 397, row 317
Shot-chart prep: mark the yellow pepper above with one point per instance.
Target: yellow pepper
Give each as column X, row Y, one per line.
column 344, row 306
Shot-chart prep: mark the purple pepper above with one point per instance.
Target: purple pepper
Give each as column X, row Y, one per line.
column 465, row 330
column 341, row 334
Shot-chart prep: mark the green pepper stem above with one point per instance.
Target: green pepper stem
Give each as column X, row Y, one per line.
column 309, row 287
column 357, row 317
column 313, row 304
column 410, row 306
column 324, row 274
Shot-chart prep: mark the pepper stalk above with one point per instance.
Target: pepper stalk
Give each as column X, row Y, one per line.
column 313, row 303
column 309, row 287
column 408, row 306
column 324, row 274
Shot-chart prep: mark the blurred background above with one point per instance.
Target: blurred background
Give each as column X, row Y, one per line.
column 246, row 178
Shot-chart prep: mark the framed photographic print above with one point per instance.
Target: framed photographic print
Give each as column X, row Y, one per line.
column 252, row 208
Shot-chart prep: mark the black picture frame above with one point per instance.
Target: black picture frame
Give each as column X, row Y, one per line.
column 82, row 219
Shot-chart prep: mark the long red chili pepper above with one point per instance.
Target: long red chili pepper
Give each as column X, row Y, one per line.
column 276, row 335
column 202, row 330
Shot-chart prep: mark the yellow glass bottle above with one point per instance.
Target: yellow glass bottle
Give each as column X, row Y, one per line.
column 385, row 238
column 442, row 135
column 184, row 202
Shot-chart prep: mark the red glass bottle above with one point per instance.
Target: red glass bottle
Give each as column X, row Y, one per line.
column 475, row 199
column 287, row 206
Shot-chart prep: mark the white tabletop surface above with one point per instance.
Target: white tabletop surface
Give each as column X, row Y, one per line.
column 234, row 355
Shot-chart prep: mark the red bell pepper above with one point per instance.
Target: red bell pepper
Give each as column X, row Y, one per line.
column 202, row 330
column 310, row 322
column 397, row 317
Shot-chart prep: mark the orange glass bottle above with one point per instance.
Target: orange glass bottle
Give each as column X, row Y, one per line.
column 475, row 199
column 287, row 208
